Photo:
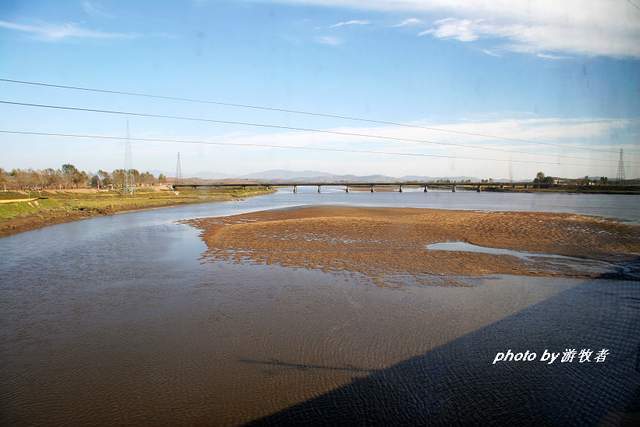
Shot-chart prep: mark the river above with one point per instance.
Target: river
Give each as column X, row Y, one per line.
column 119, row 320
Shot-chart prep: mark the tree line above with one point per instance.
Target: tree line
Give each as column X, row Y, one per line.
column 68, row 176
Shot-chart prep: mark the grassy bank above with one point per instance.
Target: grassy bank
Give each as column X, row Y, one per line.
column 18, row 212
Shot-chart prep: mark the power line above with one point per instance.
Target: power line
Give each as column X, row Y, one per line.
column 293, row 111
column 280, row 127
column 633, row 4
column 285, row 147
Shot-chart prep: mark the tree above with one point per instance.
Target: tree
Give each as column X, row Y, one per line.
column 541, row 179
column 147, row 178
column 162, row 178
column 80, row 179
column 118, row 177
column 105, row 177
column 70, row 175
column 51, row 178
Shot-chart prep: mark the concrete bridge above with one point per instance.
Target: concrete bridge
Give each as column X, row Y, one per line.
column 425, row 186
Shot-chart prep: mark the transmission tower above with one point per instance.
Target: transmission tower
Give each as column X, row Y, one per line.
column 510, row 170
column 128, row 186
column 621, row 177
column 178, row 170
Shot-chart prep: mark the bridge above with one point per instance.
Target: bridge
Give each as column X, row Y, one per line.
column 425, row 186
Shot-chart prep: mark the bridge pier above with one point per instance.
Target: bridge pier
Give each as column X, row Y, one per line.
column 318, row 189
column 295, row 189
column 453, row 188
column 425, row 188
column 400, row 188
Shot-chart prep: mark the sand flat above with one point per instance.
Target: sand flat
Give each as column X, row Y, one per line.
column 383, row 242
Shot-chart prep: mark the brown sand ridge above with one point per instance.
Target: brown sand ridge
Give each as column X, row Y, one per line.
column 383, row 242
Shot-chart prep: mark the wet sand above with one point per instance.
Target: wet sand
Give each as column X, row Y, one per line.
column 388, row 243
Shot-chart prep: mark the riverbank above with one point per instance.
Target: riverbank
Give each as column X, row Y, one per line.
column 389, row 244
column 28, row 211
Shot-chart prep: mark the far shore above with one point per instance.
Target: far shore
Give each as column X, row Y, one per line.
column 385, row 244
column 23, row 212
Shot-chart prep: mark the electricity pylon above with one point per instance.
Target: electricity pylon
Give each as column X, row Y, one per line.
column 621, row 176
column 178, row 171
column 128, row 186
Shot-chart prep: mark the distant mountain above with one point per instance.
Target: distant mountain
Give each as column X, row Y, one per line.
column 318, row 176
column 423, row 178
column 282, row 174
column 309, row 175
column 207, row 175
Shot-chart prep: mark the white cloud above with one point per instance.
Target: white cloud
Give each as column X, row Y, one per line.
column 409, row 22
column 594, row 28
column 349, row 23
column 53, row 32
column 328, row 40
column 535, row 39
column 463, row 30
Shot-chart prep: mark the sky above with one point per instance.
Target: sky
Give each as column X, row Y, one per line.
column 552, row 86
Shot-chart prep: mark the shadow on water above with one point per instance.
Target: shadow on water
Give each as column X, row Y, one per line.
column 458, row 384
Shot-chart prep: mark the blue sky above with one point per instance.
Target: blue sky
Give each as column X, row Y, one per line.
column 562, row 74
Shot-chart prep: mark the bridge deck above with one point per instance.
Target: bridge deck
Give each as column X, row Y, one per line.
column 353, row 184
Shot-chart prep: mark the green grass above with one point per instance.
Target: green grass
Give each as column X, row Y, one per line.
column 61, row 203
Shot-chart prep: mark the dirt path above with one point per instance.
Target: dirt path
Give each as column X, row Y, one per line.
column 18, row 200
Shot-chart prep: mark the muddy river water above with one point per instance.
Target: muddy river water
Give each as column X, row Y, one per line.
column 119, row 320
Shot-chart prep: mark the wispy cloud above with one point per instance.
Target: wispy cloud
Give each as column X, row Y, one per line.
column 409, row 22
column 54, row 32
column 491, row 53
column 95, row 9
column 328, row 40
column 574, row 27
column 534, row 39
column 570, row 133
column 544, row 129
column 349, row 23
column 551, row 57
column 463, row 30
